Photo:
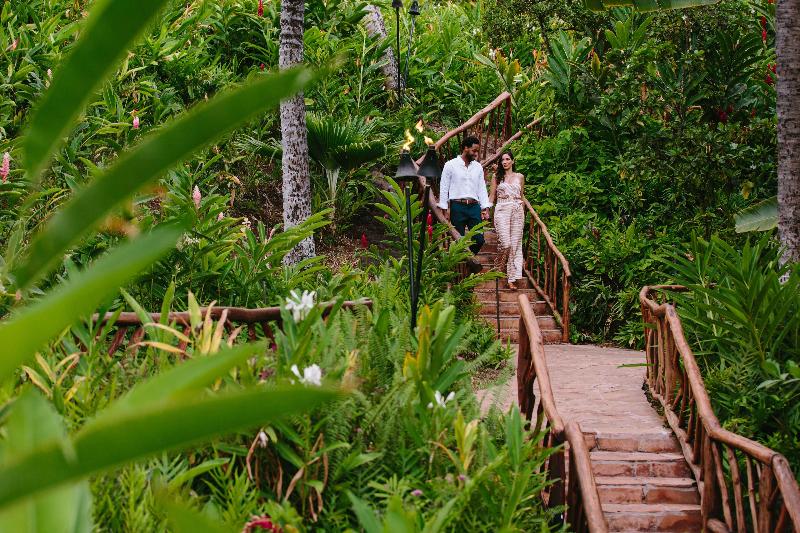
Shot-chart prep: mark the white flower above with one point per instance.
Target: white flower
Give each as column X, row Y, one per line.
column 262, row 439
column 312, row 375
column 441, row 401
column 220, row 216
column 300, row 305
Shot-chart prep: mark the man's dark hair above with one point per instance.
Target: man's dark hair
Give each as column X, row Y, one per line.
column 469, row 141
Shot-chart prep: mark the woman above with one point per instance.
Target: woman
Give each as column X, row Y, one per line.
column 509, row 218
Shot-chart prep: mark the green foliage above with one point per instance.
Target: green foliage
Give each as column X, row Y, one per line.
column 744, row 325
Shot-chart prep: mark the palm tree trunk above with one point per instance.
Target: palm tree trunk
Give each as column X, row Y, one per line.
column 294, row 136
column 787, row 22
column 376, row 29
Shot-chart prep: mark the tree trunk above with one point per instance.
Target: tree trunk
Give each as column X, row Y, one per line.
column 376, row 29
column 294, row 136
column 787, row 45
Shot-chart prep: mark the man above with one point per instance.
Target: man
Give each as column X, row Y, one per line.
column 463, row 195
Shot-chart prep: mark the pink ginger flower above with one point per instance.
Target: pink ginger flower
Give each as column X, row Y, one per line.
column 6, row 167
column 136, row 123
column 220, row 216
column 196, row 196
column 260, row 8
column 13, row 45
column 364, row 242
column 262, row 66
column 430, row 232
column 261, row 523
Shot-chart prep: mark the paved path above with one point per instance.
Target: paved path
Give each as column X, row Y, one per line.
column 591, row 386
column 642, row 478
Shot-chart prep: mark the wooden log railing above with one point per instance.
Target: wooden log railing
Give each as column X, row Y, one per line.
column 547, row 269
column 266, row 318
column 579, row 493
column 744, row 486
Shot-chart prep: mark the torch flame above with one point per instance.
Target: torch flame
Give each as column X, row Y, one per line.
column 428, row 141
column 418, row 126
column 409, row 141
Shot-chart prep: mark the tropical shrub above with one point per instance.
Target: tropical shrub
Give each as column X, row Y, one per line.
column 744, row 325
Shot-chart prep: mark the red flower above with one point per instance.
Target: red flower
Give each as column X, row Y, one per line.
column 261, row 522
column 364, row 243
column 723, row 116
column 773, row 68
column 261, row 66
column 753, row 113
column 260, row 8
column 429, row 221
column 768, row 79
column 764, row 35
column 430, row 232
column 763, row 22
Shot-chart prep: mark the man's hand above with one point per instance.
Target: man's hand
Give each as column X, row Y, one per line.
column 485, row 214
column 446, row 213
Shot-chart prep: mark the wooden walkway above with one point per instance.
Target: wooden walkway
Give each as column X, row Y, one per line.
column 642, row 477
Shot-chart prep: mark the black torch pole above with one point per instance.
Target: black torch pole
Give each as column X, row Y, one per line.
column 398, row 56
column 422, row 231
column 412, row 291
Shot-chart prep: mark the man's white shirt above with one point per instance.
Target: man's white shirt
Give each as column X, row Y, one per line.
column 462, row 181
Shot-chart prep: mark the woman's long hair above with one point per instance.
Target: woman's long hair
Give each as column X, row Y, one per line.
column 501, row 172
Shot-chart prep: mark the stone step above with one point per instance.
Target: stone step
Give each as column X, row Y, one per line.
column 550, row 336
column 639, row 464
column 653, row 517
column 546, row 322
column 624, row 489
column 663, row 441
column 488, row 308
column 523, row 284
column 506, row 295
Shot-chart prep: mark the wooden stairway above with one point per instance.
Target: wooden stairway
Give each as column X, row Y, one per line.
column 509, row 308
column 644, row 482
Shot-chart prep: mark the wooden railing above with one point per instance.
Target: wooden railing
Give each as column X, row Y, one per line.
column 547, row 269
column 744, row 486
column 264, row 317
column 579, row 493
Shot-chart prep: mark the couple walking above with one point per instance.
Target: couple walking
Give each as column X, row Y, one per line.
column 465, row 201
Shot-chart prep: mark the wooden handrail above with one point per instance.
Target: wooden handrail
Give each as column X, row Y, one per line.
column 765, row 501
column 584, row 512
column 473, row 121
column 510, row 140
column 542, row 269
column 581, row 477
column 242, row 315
column 251, row 318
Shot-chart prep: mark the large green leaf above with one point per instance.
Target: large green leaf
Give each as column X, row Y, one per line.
column 133, row 434
column 32, row 422
column 170, row 145
column 762, row 216
column 33, row 326
column 110, row 29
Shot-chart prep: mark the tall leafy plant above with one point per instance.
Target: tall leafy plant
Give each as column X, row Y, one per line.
column 42, row 469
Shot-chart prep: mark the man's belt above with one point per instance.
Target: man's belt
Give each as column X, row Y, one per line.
column 465, row 201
